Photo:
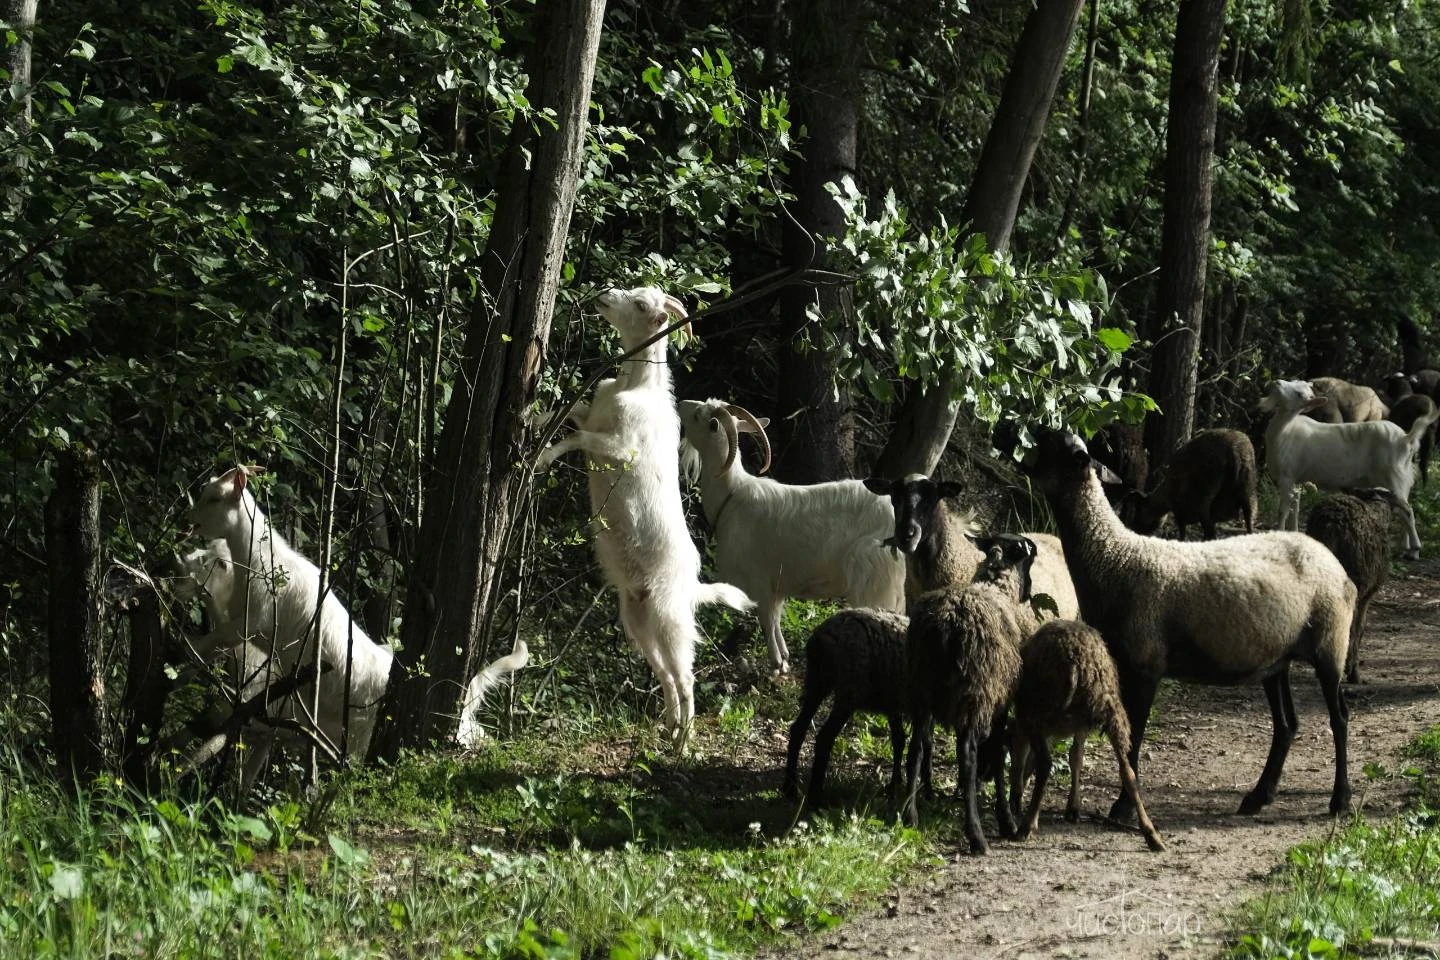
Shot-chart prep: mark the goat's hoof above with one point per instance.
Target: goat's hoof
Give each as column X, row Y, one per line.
column 1412, row 554
column 1340, row 803
column 1072, row 814
column 1153, row 841
column 1255, row 801
column 1122, row 811
column 1026, row 834
column 978, row 846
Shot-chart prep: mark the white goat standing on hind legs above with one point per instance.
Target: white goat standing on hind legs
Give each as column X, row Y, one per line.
column 270, row 609
column 631, row 434
column 1337, row 455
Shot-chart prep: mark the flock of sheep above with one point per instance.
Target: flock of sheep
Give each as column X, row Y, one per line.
column 1072, row 633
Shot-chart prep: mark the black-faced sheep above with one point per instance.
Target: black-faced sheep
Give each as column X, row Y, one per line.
column 859, row 656
column 1210, row 478
column 1068, row 687
column 1225, row 611
column 963, row 659
column 934, row 536
column 1356, row 527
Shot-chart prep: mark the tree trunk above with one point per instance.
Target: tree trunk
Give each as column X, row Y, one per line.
column 814, row 432
column 20, row 14
column 147, row 686
column 475, row 489
column 72, row 556
column 1185, row 239
column 927, row 416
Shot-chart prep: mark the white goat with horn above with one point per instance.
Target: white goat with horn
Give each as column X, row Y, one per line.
column 631, row 434
column 776, row 540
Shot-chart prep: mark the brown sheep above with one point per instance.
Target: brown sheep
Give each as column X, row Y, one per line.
column 1068, row 687
column 1356, row 527
column 963, row 660
column 1357, row 404
column 1407, row 406
column 1209, row 479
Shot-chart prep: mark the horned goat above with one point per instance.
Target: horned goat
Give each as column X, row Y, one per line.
column 776, row 540
column 1217, row 611
column 1336, row 456
column 631, row 435
column 273, row 604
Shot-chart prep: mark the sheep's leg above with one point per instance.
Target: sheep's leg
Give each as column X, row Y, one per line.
column 798, row 729
column 1040, row 747
column 1136, row 696
column 1278, row 693
column 994, row 753
column 1339, row 727
column 921, row 730
column 897, row 749
column 968, row 743
column 1357, row 630
column 1077, row 768
column 770, row 612
column 1132, row 789
column 1019, row 766
column 824, row 743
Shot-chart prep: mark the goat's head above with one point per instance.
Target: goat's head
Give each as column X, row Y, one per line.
column 223, row 502
column 1291, row 396
column 207, row 572
column 916, row 501
column 1008, row 558
column 640, row 313
column 712, row 430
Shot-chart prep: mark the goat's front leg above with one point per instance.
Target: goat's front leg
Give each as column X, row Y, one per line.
column 1412, row 536
column 770, row 617
column 595, row 444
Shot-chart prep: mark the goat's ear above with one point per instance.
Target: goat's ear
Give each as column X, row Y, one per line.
column 251, row 469
column 949, row 488
column 878, row 486
column 237, row 482
column 744, row 426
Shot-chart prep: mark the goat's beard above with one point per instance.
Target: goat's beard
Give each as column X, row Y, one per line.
column 690, row 462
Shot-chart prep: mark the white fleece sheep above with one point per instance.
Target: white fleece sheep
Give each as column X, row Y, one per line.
column 776, row 540
column 631, row 435
column 1227, row 611
column 1337, row 455
column 275, row 593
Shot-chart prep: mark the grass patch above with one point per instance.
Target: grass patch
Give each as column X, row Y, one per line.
column 628, row 853
column 1369, row 889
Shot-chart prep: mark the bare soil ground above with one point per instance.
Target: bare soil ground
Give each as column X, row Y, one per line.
column 1090, row 890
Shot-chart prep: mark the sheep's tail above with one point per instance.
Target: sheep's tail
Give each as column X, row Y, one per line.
column 1245, row 478
column 494, row 674
column 732, row 597
column 1418, row 428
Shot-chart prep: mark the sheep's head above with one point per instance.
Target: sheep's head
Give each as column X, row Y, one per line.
column 1007, row 560
column 640, row 313
column 1291, row 396
column 1060, row 460
column 1398, row 385
column 223, row 501
column 916, row 500
column 1142, row 512
column 712, row 431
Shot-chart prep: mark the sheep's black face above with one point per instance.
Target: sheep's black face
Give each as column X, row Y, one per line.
column 1058, row 460
column 917, row 507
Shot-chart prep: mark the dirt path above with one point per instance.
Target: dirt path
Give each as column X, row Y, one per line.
column 1082, row 890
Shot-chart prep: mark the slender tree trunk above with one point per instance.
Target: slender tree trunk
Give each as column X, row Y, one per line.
column 475, row 489
column 814, row 433
column 1185, row 239
column 72, row 556
column 927, row 417
column 20, row 14
column 147, row 686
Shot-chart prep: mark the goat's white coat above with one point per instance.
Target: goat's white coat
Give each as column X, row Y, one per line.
column 495, row 673
column 631, row 434
column 272, row 607
column 776, row 540
column 1337, row 455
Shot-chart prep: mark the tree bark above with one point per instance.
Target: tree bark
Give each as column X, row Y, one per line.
column 147, row 686
column 814, row 432
column 1176, row 325
column 20, row 14
column 927, row 417
column 72, row 556
column 476, row 486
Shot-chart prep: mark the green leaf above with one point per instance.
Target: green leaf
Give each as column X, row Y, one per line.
column 224, row 64
column 348, row 855
column 1117, row 340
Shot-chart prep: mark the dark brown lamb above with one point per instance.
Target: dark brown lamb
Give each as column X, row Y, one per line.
column 1211, row 478
column 1068, row 687
column 1356, row 526
column 859, row 656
